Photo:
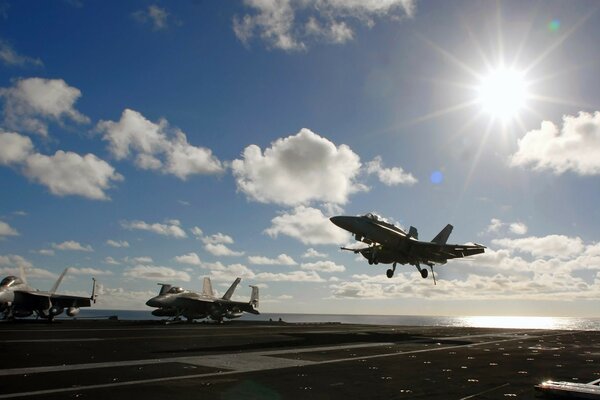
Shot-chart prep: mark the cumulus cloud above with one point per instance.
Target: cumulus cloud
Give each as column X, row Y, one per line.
column 221, row 250
column 10, row 57
column 154, row 15
column 308, row 225
column 169, row 228
column 46, row 252
column 155, row 273
column 197, row 232
column 117, row 243
column 496, row 226
column 138, row 260
column 220, row 272
column 293, row 25
column 574, row 148
column 88, row 271
column 30, row 104
column 297, row 170
column 282, row 259
column 12, row 264
column 121, row 298
column 389, row 176
column 111, row 261
column 294, row 276
column 7, row 230
column 71, row 245
column 190, row 258
column 312, row 253
column 157, row 146
column 64, row 173
column 558, row 246
column 323, row 266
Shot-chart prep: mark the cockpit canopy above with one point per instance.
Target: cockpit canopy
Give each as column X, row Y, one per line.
column 10, row 281
column 175, row 290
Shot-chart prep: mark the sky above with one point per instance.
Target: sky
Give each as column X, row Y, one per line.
column 153, row 141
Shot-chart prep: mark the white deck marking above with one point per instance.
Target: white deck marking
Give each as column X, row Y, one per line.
column 251, row 356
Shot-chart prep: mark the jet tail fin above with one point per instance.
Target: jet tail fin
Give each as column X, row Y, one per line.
column 58, row 281
column 413, row 233
column 164, row 288
column 254, row 296
column 443, row 236
column 207, row 289
column 231, row 289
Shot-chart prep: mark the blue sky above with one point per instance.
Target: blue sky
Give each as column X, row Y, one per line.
column 151, row 141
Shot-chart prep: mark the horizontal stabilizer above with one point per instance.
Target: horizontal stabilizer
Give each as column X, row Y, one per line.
column 443, row 236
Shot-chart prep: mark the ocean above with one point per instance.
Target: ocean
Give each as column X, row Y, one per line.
column 520, row 322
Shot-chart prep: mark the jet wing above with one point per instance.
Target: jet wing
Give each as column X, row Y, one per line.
column 62, row 300
column 436, row 252
column 43, row 300
column 240, row 305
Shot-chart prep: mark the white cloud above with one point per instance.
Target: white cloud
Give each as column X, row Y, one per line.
column 170, row 228
column 190, row 258
column 14, row 148
column 496, row 226
column 68, row 173
column 138, row 260
column 292, row 25
column 574, row 148
column 157, row 146
column 558, row 246
column 308, row 225
column 389, row 176
column 156, row 273
column 11, row 264
column 218, row 238
column 7, row 230
column 46, row 252
column 122, row 298
column 64, row 173
column 71, row 245
column 297, row 170
column 312, row 253
column 220, row 272
column 282, row 259
column 221, row 250
column 117, row 243
column 294, row 276
column 30, row 104
column 197, row 232
column 156, row 16
column 518, row 228
column 112, row 261
column 8, row 56
column 88, row 271
column 323, row 266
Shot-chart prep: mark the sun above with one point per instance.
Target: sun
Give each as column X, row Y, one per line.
column 502, row 93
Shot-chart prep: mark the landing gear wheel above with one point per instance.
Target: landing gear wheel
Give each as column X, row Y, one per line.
column 389, row 273
column 370, row 262
column 375, row 261
column 424, row 273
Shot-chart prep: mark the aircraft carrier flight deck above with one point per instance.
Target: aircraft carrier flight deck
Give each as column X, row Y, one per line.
column 104, row 359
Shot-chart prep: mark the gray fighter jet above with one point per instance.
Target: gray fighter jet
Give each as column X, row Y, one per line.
column 389, row 244
column 19, row 300
column 173, row 301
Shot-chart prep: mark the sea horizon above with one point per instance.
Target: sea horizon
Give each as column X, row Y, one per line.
column 483, row 321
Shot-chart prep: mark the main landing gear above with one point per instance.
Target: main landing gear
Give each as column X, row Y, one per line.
column 425, row 273
column 390, row 272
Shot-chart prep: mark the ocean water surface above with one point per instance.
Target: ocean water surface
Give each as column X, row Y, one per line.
column 528, row 322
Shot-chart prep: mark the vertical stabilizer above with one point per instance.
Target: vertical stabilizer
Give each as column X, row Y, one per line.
column 164, row 288
column 58, row 281
column 229, row 292
column 254, row 296
column 413, row 233
column 443, row 236
column 22, row 273
column 207, row 289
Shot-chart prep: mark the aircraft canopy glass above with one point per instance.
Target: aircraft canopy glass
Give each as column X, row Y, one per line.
column 372, row 216
column 9, row 281
column 175, row 290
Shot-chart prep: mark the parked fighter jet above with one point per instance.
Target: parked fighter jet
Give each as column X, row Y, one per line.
column 18, row 300
column 173, row 301
column 389, row 244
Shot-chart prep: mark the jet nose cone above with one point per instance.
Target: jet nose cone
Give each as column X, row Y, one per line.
column 153, row 302
column 343, row 222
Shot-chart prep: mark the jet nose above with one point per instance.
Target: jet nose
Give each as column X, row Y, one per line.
column 153, row 302
column 343, row 222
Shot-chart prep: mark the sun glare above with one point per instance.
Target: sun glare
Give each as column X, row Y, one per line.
column 502, row 93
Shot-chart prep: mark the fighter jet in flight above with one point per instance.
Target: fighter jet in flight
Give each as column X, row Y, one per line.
column 173, row 301
column 389, row 244
column 19, row 300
